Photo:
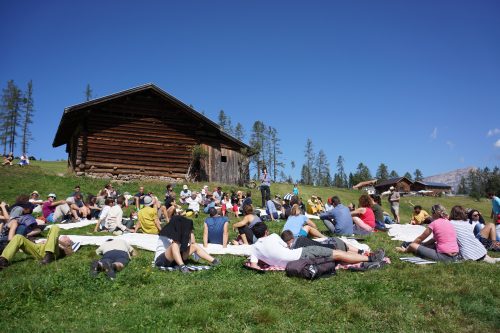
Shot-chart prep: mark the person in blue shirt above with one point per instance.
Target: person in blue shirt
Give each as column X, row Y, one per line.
column 271, row 209
column 215, row 229
column 300, row 225
column 341, row 216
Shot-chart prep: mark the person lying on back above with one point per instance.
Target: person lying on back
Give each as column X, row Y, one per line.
column 272, row 250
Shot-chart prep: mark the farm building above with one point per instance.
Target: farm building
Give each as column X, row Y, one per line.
column 144, row 131
column 430, row 187
column 401, row 184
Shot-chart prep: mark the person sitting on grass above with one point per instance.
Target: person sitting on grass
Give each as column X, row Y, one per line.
column 272, row 250
column 7, row 160
column 484, row 232
column 185, row 193
column 77, row 207
column 139, row 198
column 209, row 203
column 333, row 243
column 271, row 210
column 176, row 243
column 363, row 217
column 443, row 246
column 114, row 220
column 55, row 247
column 35, row 200
column 338, row 220
column 24, row 160
column 170, row 207
column 420, row 216
column 116, row 254
column 300, row 225
column 381, row 218
column 100, row 224
column 247, row 200
column 470, row 247
column 193, row 202
column 215, row 229
column 55, row 211
column 244, row 227
column 148, row 220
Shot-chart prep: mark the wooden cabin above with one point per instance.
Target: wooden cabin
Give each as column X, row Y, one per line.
column 144, row 131
column 401, row 184
column 431, row 188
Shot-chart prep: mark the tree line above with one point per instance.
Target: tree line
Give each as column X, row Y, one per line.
column 479, row 182
column 16, row 116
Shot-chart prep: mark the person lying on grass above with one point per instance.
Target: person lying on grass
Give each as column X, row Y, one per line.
column 300, row 225
column 176, row 243
column 333, row 243
column 116, row 254
column 244, row 227
column 55, row 247
column 272, row 250
column 215, row 229
column 470, row 247
column 443, row 246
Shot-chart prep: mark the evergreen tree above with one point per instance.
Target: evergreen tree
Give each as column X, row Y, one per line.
column 393, row 174
column 382, row 172
column 462, row 186
column 408, row 175
column 322, row 175
column 351, row 180
column 239, row 132
column 362, row 174
column 340, row 178
column 257, row 142
column 27, row 117
column 418, row 175
column 275, row 152
column 88, row 93
column 11, row 109
column 225, row 122
column 308, row 167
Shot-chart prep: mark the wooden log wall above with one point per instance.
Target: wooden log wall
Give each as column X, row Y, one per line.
column 143, row 134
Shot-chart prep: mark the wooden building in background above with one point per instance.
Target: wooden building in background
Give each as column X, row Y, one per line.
column 144, row 131
column 401, row 184
column 431, row 187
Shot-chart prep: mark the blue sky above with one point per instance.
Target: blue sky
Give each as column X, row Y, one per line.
column 413, row 84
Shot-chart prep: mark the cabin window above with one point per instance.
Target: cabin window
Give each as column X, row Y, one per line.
column 223, row 159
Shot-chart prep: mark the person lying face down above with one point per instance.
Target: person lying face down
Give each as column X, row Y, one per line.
column 272, row 250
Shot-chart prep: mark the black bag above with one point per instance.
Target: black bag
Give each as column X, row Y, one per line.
column 311, row 268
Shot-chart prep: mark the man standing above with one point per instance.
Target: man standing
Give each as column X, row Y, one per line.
column 394, row 202
column 265, row 186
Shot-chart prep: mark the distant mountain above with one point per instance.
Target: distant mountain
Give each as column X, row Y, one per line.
column 451, row 178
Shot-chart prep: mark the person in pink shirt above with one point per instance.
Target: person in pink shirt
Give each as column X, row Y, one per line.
column 442, row 246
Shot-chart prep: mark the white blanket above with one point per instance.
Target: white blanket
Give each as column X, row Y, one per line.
column 309, row 216
column 404, row 232
column 67, row 226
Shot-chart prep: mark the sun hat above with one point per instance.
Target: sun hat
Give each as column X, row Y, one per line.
column 52, row 195
column 35, row 192
column 391, row 188
column 148, row 201
column 185, row 187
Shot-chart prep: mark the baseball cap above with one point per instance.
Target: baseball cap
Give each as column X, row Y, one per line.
column 185, row 187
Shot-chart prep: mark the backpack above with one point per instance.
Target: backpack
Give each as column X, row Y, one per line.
column 311, row 268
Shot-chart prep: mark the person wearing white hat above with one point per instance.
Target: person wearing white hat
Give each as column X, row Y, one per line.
column 185, row 193
column 55, row 211
column 148, row 220
column 394, row 198
column 35, row 200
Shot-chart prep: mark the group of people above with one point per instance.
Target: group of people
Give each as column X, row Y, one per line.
column 461, row 235
column 9, row 159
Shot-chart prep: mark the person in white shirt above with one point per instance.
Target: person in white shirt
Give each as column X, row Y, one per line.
column 194, row 202
column 114, row 219
column 185, row 193
column 100, row 225
column 272, row 250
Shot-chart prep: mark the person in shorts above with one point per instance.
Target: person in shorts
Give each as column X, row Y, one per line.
column 116, row 254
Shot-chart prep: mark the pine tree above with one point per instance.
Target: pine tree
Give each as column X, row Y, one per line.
column 88, row 93
column 322, row 175
column 11, row 108
column 351, row 180
column 408, row 176
column 225, row 122
column 393, row 174
column 382, row 172
column 340, row 178
column 362, row 174
column 27, row 117
column 275, row 152
column 239, row 132
column 308, row 167
column 418, row 175
column 257, row 142
column 462, row 186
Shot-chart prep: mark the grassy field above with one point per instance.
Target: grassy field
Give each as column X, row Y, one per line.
column 400, row 298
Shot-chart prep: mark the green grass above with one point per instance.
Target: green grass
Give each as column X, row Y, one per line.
column 400, row 298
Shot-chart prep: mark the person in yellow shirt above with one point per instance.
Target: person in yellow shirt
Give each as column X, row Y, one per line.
column 420, row 216
column 148, row 220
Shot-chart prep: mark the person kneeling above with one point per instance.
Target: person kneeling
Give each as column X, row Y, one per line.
column 176, row 243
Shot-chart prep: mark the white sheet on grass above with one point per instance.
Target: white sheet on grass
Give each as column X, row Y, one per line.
column 404, row 232
column 309, row 216
column 67, row 226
